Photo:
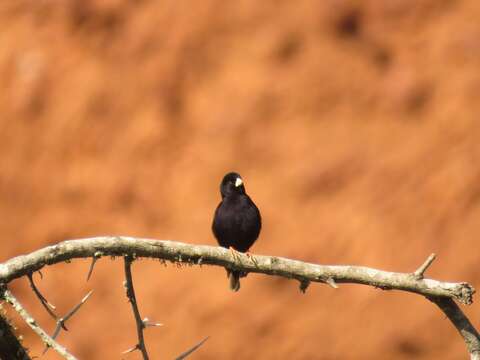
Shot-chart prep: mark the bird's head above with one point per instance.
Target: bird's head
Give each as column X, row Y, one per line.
column 232, row 184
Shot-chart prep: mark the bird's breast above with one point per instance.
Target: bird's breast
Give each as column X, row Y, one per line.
column 237, row 223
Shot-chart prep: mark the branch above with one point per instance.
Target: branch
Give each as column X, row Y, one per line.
column 11, row 346
column 454, row 313
column 438, row 291
column 7, row 295
column 461, row 322
column 133, row 301
column 214, row 255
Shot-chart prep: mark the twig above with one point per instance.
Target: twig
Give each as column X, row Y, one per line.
column 191, row 350
column 8, row 296
column 133, row 301
column 418, row 274
column 48, row 306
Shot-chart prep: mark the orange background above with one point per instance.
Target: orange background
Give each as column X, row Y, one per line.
column 353, row 123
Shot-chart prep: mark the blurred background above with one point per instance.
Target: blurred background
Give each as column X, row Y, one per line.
column 353, row 123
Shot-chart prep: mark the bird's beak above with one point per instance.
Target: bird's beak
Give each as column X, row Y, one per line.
column 238, row 182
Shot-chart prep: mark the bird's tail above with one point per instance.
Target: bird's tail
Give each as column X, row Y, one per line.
column 234, row 278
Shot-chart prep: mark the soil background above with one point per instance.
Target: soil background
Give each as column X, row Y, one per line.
column 353, row 123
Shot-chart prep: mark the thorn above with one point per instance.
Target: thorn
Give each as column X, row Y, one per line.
column 53, row 307
column 331, row 282
column 130, row 350
column 85, row 298
column 47, row 346
column 146, row 323
column 188, row 352
column 95, row 257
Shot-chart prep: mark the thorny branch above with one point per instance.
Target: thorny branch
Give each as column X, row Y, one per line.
column 8, row 297
column 133, row 301
column 441, row 293
column 61, row 321
column 48, row 306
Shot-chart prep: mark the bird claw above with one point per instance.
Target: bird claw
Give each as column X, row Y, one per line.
column 234, row 254
column 252, row 259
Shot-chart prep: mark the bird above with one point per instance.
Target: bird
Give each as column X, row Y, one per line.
column 236, row 222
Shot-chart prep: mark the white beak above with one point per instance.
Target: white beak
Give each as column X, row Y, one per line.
column 238, row 182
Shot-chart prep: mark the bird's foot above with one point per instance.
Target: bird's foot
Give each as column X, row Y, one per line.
column 234, row 254
column 252, row 258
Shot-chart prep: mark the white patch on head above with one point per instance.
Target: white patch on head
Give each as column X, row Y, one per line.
column 238, row 182
column 3, row 269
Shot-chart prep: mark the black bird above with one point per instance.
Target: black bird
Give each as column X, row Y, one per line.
column 237, row 221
